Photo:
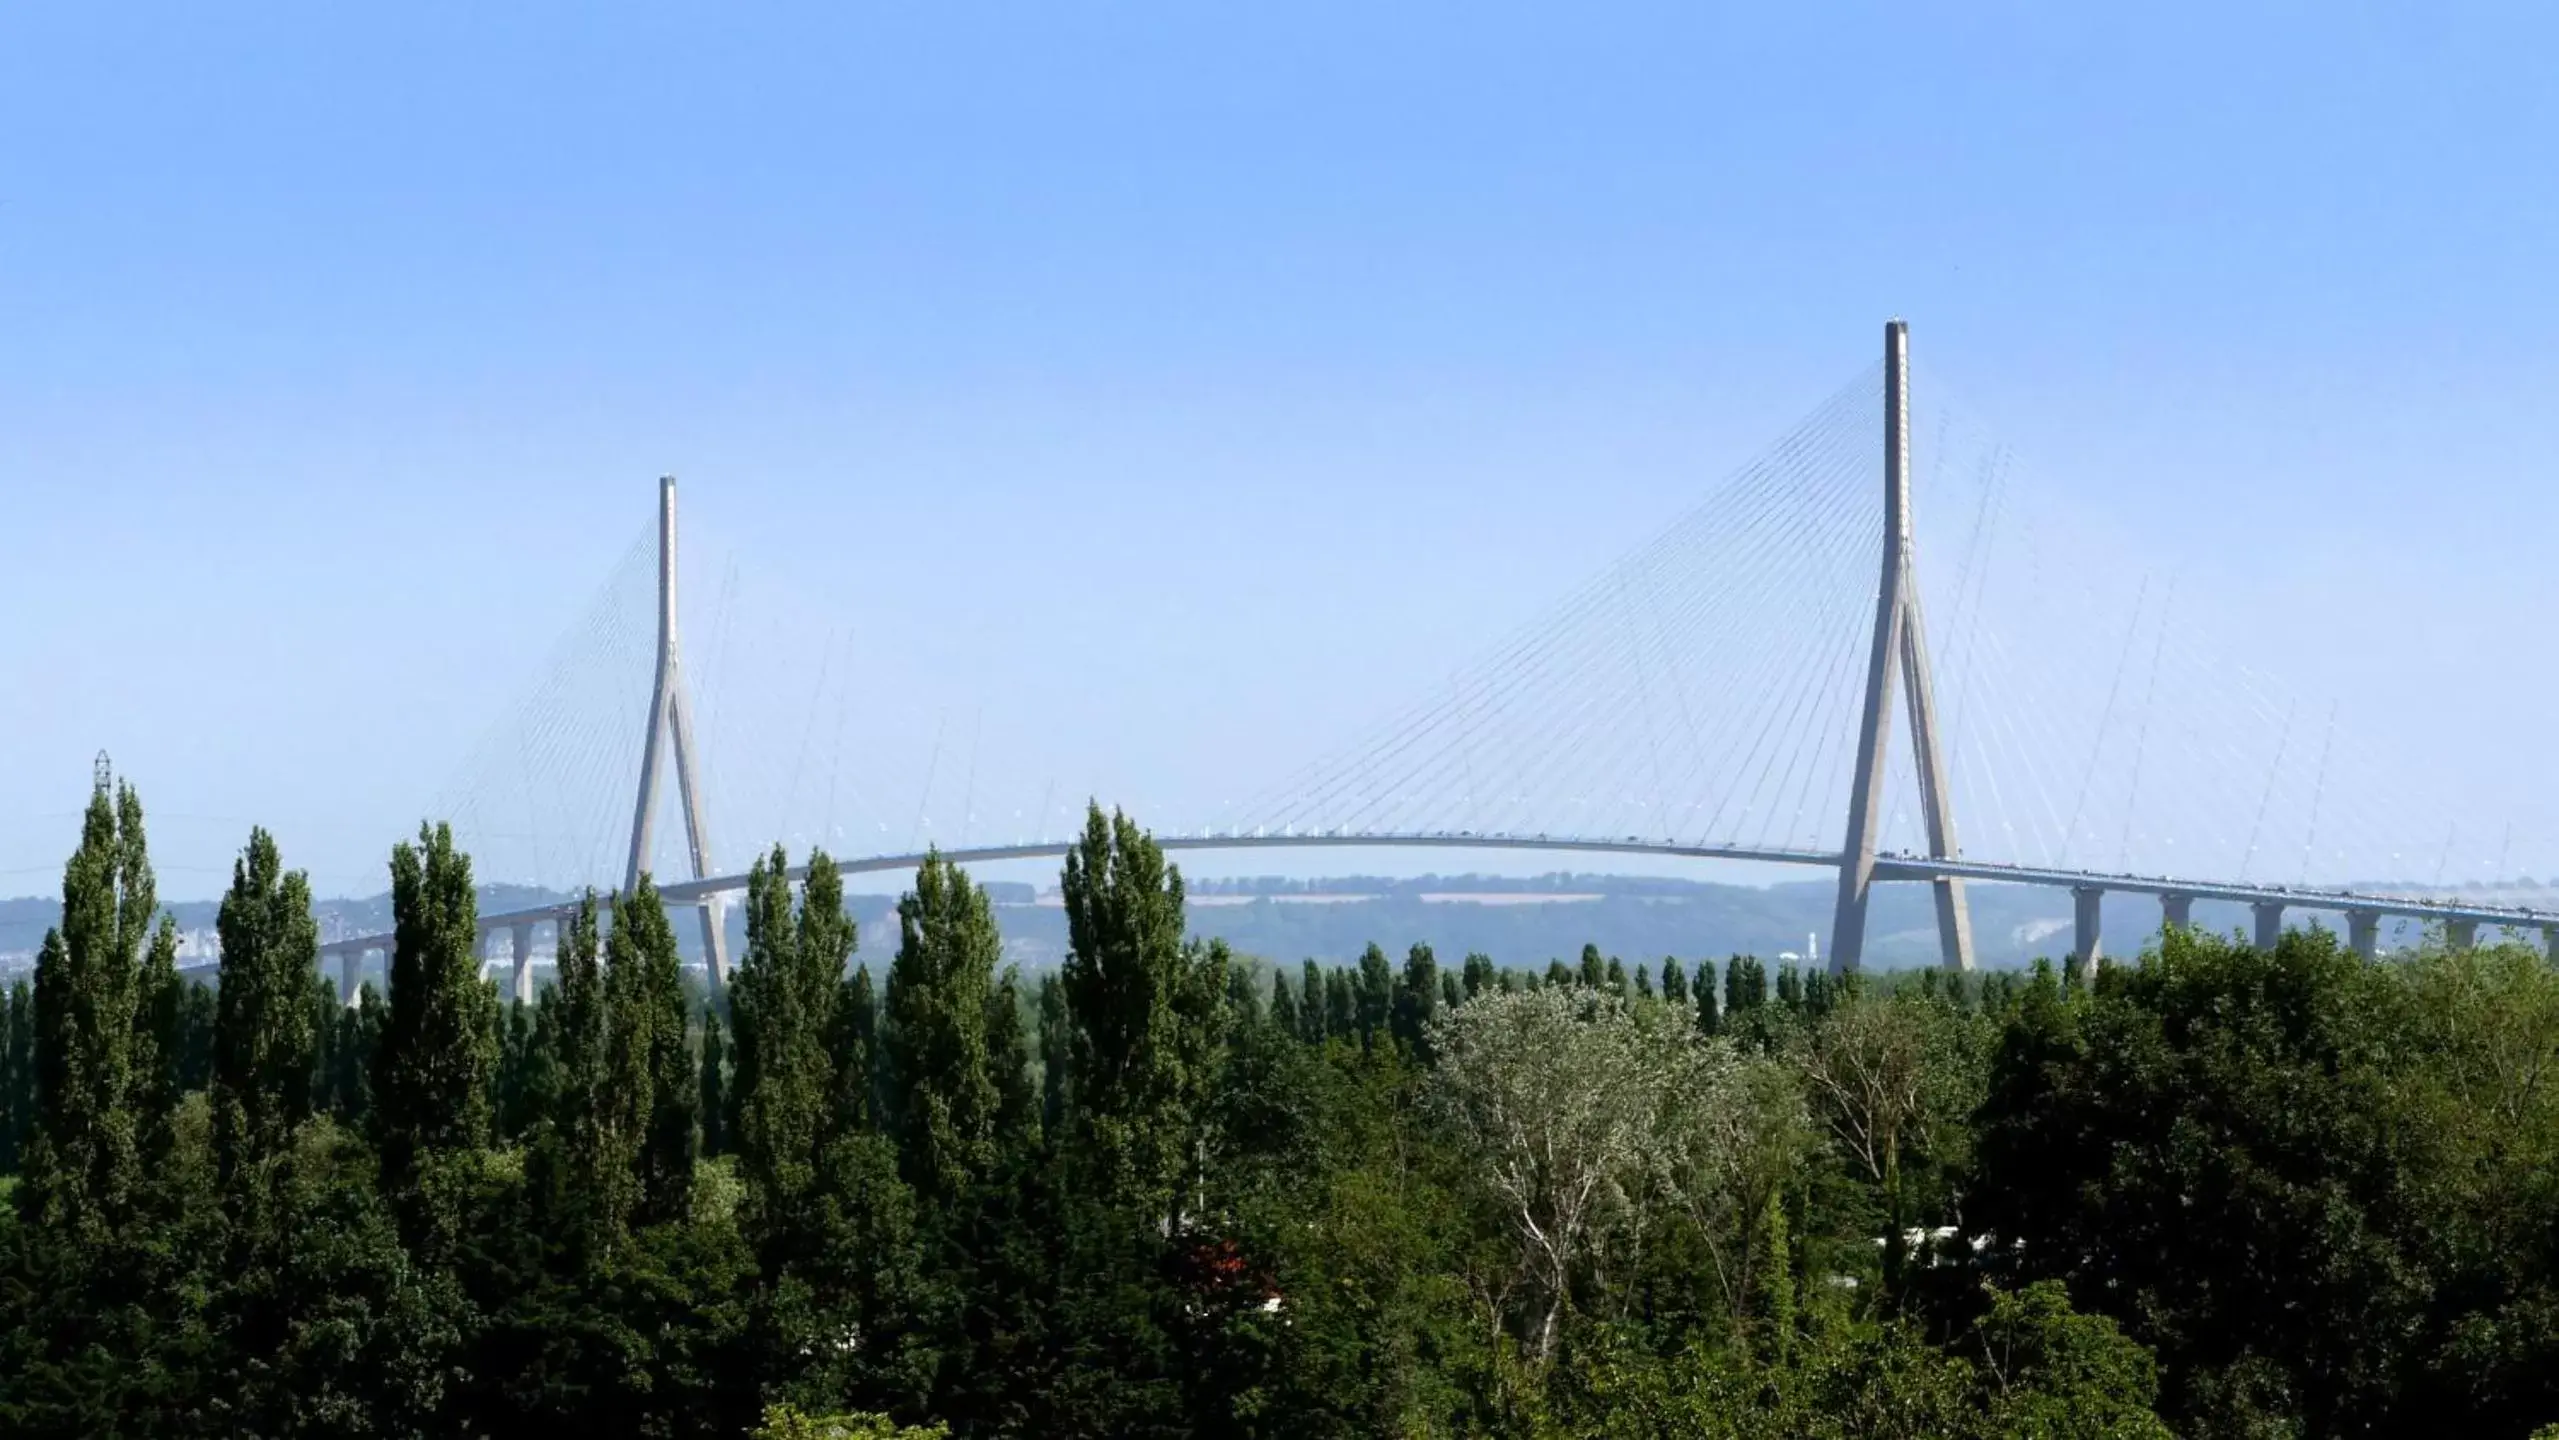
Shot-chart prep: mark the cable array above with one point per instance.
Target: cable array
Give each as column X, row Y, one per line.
column 2099, row 721
column 545, row 796
column 1703, row 690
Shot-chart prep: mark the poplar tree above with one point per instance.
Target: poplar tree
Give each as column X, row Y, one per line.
column 1417, row 999
column 355, row 1036
column 1745, row 984
column 17, row 1074
column 1284, row 1005
column 521, row 1058
column 1008, row 1060
column 1143, row 1008
column 584, row 1161
column 577, row 1017
column 782, row 1004
column 1310, row 1002
column 943, row 1096
column 1341, row 1010
column 160, row 1046
column 1376, row 994
column 853, row 1042
column 432, row 1068
column 1243, row 997
column 1674, row 982
column 715, row 1095
column 266, row 1040
column 650, row 1064
column 1594, row 971
column 83, row 1163
column 1057, row 1054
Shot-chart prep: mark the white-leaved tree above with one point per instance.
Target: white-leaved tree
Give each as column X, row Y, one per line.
column 1573, row 1104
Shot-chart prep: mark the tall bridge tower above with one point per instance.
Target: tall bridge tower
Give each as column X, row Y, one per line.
column 1900, row 651
column 671, row 726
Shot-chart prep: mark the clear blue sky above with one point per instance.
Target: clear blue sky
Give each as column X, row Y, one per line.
column 338, row 346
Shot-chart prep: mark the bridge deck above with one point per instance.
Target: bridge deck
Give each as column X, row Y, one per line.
column 1887, row 867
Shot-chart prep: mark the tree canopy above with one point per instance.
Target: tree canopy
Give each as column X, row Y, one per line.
column 1168, row 1190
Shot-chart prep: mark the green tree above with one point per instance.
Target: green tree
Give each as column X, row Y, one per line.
column 1375, row 992
column 715, row 1079
column 432, row 1068
column 266, row 1049
column 649, row 1066
column 356, row 1033
column 17, row 1074
column 1341, row 1005
column 160, row 1046
column 1143, row 1009
column 1790, row 988
column 1057, row 1052
column 853, row 1040
column 1417, row 998
column 2213, row 1147
column 783, row 1003
column 84, row 1164
column 1745, row 985
column 585, row 1166
column 944, row 1096
column 1284, row 1016
column 1009, row 1064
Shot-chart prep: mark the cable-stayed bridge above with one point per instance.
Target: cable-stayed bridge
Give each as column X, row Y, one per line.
column 1760, row 683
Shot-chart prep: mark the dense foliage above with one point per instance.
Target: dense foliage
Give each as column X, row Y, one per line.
column 1167, row 1190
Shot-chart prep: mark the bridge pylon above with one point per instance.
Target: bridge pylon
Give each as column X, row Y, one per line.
column 671, row 727
column 1900, row 653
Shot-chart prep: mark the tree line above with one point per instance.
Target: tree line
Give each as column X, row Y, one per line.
column 1167, row 1190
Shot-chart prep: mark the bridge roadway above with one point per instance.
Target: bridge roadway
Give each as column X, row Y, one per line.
column 2364, row 912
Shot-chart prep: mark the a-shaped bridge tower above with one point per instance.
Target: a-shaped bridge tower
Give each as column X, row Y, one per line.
column 1900, row 651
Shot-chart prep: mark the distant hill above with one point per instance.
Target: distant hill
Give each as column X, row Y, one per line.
column 1523, row 922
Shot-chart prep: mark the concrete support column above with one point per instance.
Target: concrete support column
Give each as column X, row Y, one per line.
column 2363, row 932
column 715, row 944
column 350, row 967
column 520, row 938
column 2550, row 941
column 2461, row 934
column 2086, row 945
column 2270, row 922
column 1900, row 652
column 2176, row 912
